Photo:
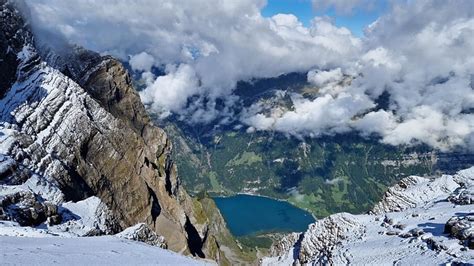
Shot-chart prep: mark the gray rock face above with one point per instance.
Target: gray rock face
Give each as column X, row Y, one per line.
column 318, row 246
column 14, row 36
column 85, row 133
column 143, row 233
column 413, row 191
column 461, row 228
column 28, row 209
column 104, row 78
column 464, row 197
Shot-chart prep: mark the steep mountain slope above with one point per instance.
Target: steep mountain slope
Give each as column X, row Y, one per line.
column 72, row 127
column 418, row 221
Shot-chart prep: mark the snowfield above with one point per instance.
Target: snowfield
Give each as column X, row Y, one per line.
column 63, row 243
column 102, row 250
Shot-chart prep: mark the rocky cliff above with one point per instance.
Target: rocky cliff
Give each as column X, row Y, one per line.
column 72, row 127
column 419, row 221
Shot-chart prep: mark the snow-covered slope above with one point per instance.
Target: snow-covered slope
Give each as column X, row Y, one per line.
column 88, row 217
column 62, row 244
column 103, row 250
column 426, row 221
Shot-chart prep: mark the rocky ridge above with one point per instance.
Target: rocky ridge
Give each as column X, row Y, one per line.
column 73, row 129
column 143, row 233
column 419, row 221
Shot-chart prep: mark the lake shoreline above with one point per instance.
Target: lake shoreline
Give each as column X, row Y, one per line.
column 263, row 196
column 250, row 214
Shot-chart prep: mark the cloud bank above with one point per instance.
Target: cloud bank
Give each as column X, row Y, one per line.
column 418, row 56
column 142, row 62
column 223, row 41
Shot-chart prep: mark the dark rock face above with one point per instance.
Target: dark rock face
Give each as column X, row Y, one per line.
column 464, row 197
column 109, row 83
column 104, row 78
column 13, row 36
column 28, row 209
column 461, row 228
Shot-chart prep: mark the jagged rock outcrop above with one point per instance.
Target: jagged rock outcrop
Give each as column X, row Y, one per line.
column 14, row 35
column 143, row 233
column 463, row 198
column 74, row 123
column 416, row 222
column 461, row 228
column 28, row 210
column 325, row 236
column 104, row 78
column 413, row 191
column 285, row 244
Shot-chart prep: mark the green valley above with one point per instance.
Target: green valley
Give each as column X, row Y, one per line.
column 323, row 175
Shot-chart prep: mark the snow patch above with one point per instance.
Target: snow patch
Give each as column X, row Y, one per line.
column 88, row 215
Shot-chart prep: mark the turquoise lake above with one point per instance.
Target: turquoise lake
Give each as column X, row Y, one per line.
column 247, row 215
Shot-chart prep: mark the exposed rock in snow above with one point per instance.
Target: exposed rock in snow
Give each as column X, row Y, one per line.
column 464, row 197
column 48, row 243
column 414, row 223
column 461, row 228
column 326, row 235
column 143, row 233
column 28, row 210
column 286, row 243
column 414, row 191
column 88, row 217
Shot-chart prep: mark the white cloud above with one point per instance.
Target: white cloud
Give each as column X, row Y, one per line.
column 432, row 127
column 419, row 53
column 321, row 78
column 334, row 181
column 142, row 61
column 324, row 115
column 223, row 41
column 171, row 91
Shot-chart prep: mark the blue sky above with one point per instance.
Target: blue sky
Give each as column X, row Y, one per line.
column 356, row 22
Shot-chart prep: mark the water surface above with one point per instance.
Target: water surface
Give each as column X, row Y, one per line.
column 247, row 215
